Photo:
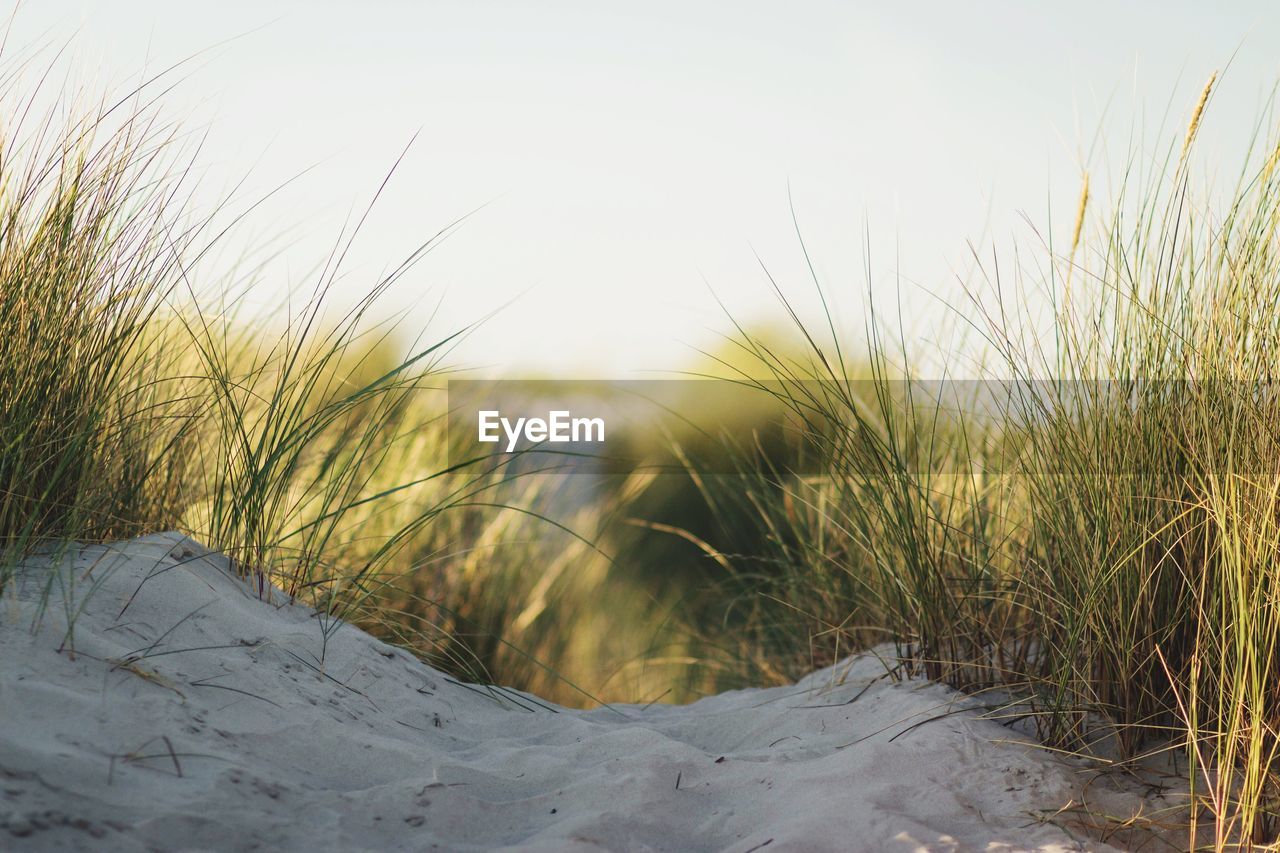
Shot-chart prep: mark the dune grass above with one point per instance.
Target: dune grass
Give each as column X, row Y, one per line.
column 1103, row 542
column 138, row 394
column 85, row 266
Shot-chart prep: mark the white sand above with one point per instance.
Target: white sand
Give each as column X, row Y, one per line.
column 229, row 733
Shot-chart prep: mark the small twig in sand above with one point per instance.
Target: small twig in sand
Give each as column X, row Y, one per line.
column 501, row 694
column 914, row 726
column 145, row 675
column 411, row 726
column 146, row 650
column 136, row 755
column 320, row 672
column 208, row 683
column 135, row 657
column 851, row 700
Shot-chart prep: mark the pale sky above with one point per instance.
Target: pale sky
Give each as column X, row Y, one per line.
column 628, row 155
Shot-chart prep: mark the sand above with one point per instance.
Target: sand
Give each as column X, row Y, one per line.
column 193, row 714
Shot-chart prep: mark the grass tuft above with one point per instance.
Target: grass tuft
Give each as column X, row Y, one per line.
column 1091, row 525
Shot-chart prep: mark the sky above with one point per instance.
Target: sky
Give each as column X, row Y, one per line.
column 630, row 170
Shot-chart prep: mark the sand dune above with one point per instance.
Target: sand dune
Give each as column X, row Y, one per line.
column 194, row 715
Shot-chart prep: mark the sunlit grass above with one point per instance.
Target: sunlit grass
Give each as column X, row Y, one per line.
column 142, row 391
column 1105, row 547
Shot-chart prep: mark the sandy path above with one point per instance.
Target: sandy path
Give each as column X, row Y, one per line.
column 237, row 725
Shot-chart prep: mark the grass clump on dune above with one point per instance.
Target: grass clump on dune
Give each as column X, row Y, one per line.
column 86, row 262
column 312, row 451
column 1104, row 542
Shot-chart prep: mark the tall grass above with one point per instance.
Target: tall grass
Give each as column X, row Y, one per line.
column 1103, row 541
column 139, row 393
column 85, row 264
